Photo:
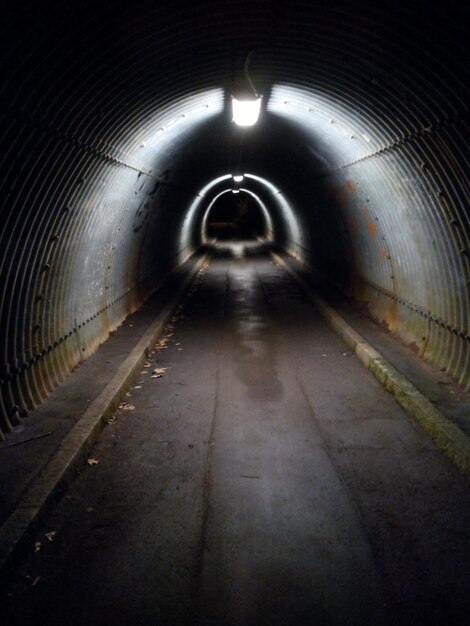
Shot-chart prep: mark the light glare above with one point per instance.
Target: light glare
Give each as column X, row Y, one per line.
column 246, row 112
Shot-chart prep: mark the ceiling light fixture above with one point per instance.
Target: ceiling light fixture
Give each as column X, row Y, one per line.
column 246, row 108
column 237, row 177
column 246, row 112
column 235, row 190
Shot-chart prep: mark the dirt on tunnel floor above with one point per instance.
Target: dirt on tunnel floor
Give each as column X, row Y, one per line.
column 256, row 474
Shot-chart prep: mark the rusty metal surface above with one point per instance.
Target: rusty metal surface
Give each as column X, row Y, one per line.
column 114, row 115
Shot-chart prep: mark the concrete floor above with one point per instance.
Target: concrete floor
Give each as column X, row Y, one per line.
column 266, row 478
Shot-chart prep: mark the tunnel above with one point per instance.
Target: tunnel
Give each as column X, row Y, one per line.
column 116, row 121
column 119, row 152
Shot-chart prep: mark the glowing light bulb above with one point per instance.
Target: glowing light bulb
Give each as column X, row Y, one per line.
column 246, row 112
column 237, row 178
column 235, row 191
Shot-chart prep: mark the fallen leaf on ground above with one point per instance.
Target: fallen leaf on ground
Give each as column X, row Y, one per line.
column 137, row 387
column 160, row 370
column 324, row 355
column 51, row 535
column 156, row 376
column 37, row 546
column 36, row 580
column 92, row 462
column 127, row 407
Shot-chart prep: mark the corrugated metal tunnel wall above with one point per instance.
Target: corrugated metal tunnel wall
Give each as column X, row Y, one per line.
column 115, row 128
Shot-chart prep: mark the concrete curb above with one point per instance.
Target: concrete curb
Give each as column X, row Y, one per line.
column 75, row 447
column 446, row 435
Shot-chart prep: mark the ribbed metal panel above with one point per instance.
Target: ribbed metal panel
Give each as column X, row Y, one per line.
column 113, row 116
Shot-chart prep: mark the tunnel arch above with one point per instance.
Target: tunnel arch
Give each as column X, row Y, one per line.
column 284, row 222
column 114, row 115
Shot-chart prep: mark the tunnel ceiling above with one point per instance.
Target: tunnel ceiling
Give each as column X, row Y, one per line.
column 114, row 117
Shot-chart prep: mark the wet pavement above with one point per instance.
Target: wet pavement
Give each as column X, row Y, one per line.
column 257, row 474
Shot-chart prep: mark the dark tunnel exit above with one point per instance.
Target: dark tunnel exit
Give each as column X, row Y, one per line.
column 235, row 216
